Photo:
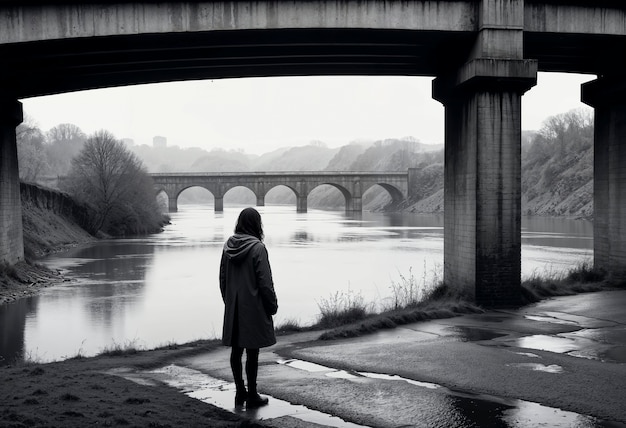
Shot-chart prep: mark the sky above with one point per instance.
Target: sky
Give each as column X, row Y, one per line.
column 258, row 115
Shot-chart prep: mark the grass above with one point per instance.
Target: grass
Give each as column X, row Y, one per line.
column 439, row 301
column 130, row 347
column 342, row 307
column 580, row 279
column 347, row 315
column 290, row 325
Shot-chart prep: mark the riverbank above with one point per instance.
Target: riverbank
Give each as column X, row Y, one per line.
column 82, row 391
column 78, row 392
column 51, row 223
column 25, row 279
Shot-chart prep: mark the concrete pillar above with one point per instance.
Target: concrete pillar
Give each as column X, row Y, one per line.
column 219, row 204
column 260, row 201
column 482, row 173
column 607, row 96
column 354, row 204
column 301, row 202
column 172, row 203
column 11, row 232
column 482, row 177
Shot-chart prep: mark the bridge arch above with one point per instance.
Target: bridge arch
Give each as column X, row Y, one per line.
column 347, row 195
column 275, row 187
column 241, row 190
column 397, row 195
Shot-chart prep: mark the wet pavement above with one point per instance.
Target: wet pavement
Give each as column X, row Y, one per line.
column 559, row 363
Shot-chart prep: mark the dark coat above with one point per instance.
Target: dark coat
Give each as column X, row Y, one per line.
column 248, row 293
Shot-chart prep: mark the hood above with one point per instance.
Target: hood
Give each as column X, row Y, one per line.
column 238, row 246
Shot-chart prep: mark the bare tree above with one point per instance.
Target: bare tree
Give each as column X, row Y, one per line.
column 569, row 130
column 30, row 151
column 65, row 132
column 64, row 142
column 113, row 181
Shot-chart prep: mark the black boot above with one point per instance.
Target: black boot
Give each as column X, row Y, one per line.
column 254, row 399
column 252, row 368
column 241, row 396
column 235, row 363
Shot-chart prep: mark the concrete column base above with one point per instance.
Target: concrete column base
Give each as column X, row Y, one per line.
column 301, row 204
column 173, row 204
column 607, row 97
column 482, row 196
column 260, row 201
column 354, row 204
column 11, row 230
column 219, row 204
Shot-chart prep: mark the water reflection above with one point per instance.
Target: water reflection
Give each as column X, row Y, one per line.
column 163, row 288
column 12, row 326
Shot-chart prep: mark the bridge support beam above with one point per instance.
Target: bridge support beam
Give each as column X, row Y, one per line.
column 354, row 205
column 219, row 204
column 260, row 201
column 482, row 196
column 11, row 232
column 607, row 96
column 301, row 202
column 172, row 203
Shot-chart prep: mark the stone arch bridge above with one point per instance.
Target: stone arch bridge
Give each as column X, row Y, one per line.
column 352, row 185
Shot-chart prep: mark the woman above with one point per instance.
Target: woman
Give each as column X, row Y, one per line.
column 250, row 301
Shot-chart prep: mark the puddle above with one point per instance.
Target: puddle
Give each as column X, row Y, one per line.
column 426, row 385
column 475, row 334
column 493, row 411
column 580, row 320
column 572, row 345
column 317, row 368
column 550, row 320
column 221, row 393
column 615, row 354
column 552, row 368
column 544, row 342
column 527, row 354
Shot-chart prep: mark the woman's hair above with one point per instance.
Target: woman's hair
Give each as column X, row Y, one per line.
column 249, row 223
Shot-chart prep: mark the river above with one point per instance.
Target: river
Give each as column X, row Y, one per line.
column 161, row 289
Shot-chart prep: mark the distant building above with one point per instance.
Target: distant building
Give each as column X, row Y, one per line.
column 128, row 141
column 159, row 141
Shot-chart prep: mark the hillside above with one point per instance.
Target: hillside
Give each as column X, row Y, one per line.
column 557, row 168
column 51, row 221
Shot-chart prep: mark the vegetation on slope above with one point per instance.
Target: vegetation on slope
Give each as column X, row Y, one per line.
column 557, row 178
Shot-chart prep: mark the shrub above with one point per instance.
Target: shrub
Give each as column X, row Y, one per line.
column 341, row 308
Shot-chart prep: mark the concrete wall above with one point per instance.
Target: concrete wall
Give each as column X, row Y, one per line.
column 11, row 236
column 574, row 17
column 48, row 21
column 56, row 21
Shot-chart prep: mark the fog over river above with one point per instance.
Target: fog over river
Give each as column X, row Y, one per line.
column 163, row 288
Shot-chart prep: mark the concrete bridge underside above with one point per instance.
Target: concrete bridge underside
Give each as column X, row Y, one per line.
column 352, row 185
column 484, row 54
